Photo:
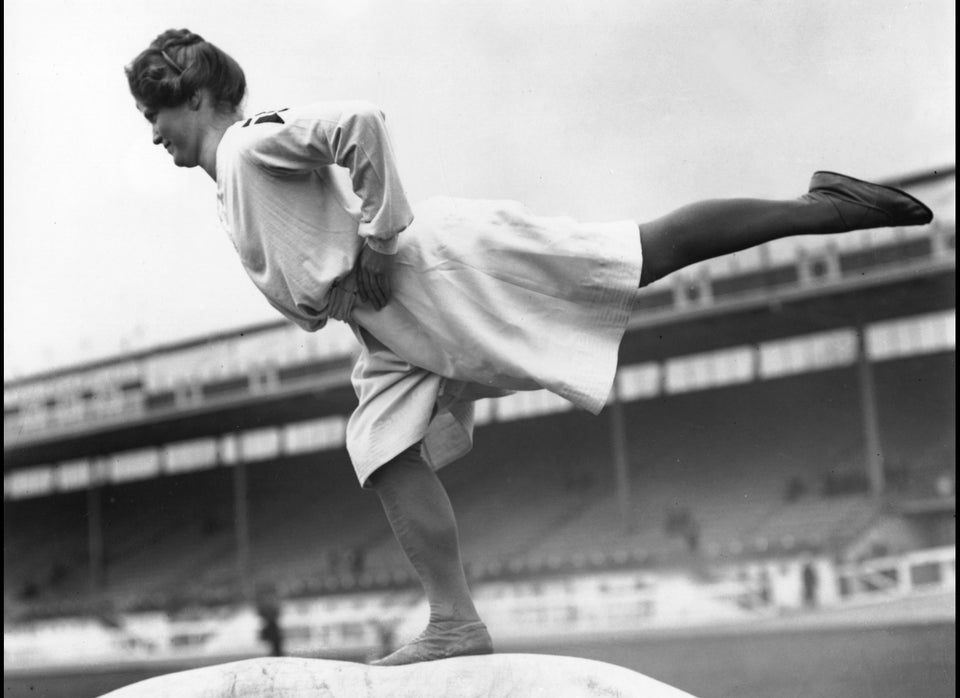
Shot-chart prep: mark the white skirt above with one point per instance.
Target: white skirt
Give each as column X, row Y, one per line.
column 487, row 299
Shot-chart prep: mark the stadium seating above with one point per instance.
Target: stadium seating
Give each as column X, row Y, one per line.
column 309, row 519
column 45, row 548
column 708, row 473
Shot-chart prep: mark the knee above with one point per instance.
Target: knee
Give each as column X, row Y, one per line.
column 648, row 274
column 657, row 257
column 398, row 471
column 659, row 253
column 386, row 478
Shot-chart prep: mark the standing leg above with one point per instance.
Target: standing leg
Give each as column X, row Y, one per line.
column 422, row 519
column 834, row 204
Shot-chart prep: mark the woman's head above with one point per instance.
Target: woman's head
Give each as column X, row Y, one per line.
column 179, row 64
column 190, row 91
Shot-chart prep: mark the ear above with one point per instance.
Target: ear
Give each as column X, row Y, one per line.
column 196, row 100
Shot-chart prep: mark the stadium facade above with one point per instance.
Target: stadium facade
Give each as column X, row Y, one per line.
column 781, row 433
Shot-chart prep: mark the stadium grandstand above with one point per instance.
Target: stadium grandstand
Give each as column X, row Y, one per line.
column 781, row 435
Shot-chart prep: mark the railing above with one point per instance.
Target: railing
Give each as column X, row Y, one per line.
column 614, row 604
column 924, row 571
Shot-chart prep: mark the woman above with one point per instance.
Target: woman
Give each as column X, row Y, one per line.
column 468, row 299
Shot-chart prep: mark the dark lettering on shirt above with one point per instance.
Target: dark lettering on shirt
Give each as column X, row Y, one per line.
column 266, row 117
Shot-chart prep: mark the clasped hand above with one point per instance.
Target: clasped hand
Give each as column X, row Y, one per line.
column 373, row 277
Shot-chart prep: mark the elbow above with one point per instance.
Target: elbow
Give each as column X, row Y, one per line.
column 365, row 112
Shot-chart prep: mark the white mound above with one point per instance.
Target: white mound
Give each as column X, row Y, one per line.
column 490, row 676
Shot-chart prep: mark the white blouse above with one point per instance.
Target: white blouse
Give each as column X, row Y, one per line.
column 300, row 191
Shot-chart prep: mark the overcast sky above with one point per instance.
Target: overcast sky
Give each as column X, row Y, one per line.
column 598, row 110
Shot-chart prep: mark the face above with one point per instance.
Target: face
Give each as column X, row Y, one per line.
column 177, row 130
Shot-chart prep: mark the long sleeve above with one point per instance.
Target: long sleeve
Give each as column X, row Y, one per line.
column 352, row 135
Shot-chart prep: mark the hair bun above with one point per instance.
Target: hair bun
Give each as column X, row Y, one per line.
column 176, row 37
column 190, row 39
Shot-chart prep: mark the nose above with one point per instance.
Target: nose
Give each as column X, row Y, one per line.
column 157, row 140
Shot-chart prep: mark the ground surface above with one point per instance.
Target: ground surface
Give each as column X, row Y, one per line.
column 916, row 661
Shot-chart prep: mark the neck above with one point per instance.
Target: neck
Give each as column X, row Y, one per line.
column 211, row 141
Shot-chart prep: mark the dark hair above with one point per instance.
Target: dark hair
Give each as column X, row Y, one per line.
column 178, row 64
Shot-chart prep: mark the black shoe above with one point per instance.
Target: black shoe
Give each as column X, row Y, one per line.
column 863, row 205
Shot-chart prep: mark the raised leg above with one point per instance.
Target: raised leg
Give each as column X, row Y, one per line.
column 835, row 204
column 419, row 511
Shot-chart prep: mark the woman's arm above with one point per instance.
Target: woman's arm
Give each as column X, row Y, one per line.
column 352, row 135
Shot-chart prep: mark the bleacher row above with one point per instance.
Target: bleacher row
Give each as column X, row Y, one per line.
column 744, row 470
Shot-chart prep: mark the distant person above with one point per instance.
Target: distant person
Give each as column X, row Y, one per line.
column 765, row 587
column 469, row 299
column 271, row 632
column 269, row 608
column 810, row 582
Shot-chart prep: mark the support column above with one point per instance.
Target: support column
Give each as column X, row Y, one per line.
column 242, row 525
column 870, row 419
column 621, row 467
column 95, row 534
